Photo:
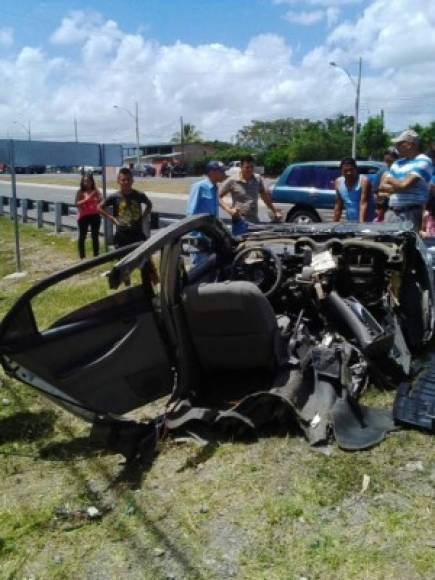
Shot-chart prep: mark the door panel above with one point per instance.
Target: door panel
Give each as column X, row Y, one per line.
column 114, row 366
column 108, row 355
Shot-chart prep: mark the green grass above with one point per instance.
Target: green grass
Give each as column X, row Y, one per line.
column 273, row 509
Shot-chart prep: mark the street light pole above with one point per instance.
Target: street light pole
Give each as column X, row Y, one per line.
column 137, row 133
column 357, row 95
column 135, row 117
column 27, row 129
column 357, row 86
column 182, row 137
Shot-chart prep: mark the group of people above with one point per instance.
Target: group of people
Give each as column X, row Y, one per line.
column 406, row 190
column 126, row 214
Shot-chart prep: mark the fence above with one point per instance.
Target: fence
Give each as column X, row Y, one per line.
column 59, row 212
column 27, row 153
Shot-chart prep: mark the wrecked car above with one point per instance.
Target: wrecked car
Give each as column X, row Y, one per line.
column 285, row 326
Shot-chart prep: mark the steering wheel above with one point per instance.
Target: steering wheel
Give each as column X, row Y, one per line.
column 258, row 265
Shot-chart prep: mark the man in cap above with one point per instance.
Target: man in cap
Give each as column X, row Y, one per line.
column 203, row 197
column 407, row 181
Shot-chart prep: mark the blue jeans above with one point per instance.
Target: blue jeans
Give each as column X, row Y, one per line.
column 239, row 226
column 198, row 258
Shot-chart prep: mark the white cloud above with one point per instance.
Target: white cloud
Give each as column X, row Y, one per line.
column 304, row 18
column 93, row 64
column 77, row 27
column 6, row 36
column 332, row 15
column 390, row 34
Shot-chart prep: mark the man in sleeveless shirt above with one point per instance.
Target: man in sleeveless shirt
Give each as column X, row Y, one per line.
column 353, row 194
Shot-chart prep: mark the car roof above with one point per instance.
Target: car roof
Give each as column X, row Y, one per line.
column 377, row 164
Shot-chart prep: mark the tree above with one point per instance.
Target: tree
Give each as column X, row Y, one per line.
column 426, row 134
column 190, row 135
column 224, row 152
column 303, row 139
column 373, row 140
column 276, row 160
column 261, row 135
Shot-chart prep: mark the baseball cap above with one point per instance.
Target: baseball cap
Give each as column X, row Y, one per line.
column 215, row 166
column 407, row 135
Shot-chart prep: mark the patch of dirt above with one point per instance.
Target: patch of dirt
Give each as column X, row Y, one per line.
column 38, row 261
column 225, row 543
column 41, row 262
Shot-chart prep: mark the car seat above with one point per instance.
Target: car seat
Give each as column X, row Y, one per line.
column 234, row 332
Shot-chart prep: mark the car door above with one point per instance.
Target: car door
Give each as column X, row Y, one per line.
column 112, row 354
column 324, row 183
column 107, row 356
column 300, row 183
column 373, row 174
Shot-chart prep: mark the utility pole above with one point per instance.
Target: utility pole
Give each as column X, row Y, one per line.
column 75, row 129
column 182, row 137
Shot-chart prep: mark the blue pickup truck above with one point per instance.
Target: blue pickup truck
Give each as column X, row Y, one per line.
column 310, row 186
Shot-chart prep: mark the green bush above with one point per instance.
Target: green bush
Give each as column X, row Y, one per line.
column 276, row 160
column 197, row 167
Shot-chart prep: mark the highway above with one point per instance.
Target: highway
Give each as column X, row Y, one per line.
column 32, row 187
column 162, row 202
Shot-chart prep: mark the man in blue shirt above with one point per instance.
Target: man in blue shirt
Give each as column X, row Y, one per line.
column 203, row 197
column 407, row 181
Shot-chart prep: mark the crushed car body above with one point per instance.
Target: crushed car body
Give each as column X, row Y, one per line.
column 286, row 326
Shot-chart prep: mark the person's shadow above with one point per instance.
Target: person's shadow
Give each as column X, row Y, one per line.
column 26, row 426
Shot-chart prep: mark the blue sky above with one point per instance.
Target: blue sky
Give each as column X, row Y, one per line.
column 218, row 63
column 230, row 22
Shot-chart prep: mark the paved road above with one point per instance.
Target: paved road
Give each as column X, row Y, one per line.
column 162, row 202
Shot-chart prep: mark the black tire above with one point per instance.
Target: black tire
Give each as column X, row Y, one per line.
column 303, row 216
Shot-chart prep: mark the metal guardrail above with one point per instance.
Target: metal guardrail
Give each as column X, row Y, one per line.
column 59, row 210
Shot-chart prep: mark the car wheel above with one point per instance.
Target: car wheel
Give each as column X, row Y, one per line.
column 302, row 217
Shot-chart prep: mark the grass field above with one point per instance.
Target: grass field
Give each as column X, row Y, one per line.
column 271, row 509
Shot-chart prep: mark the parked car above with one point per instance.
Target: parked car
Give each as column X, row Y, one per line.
column 310, row 186
column 91, row 169
column 144, row 170
column 29, row 169
column 176, row 169
column 283, row 328
column 233, row 169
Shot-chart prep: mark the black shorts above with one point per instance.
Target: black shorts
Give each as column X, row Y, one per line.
column 126, row 237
